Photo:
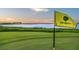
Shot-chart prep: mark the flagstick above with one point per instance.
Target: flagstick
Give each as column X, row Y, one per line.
column 54, row 38
column 54, row 33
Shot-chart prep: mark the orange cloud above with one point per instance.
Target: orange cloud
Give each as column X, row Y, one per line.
column 25, row 20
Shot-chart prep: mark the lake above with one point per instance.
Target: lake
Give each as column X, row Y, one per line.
column 29, row 25
column 34, row 25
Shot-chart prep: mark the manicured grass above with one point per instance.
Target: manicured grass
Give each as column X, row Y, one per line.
column 26, row 40
column 67, row 41
column 38, row 39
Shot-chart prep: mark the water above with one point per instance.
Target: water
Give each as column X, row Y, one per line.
column 29, row 25
column 77, row 26
column 34, row 25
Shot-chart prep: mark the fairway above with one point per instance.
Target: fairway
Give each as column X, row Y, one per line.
column 26, row 41
column 67, row 41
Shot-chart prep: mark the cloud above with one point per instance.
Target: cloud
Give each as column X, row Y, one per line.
column 40, row 9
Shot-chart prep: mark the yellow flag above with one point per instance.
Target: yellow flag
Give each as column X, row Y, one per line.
column 64, row 20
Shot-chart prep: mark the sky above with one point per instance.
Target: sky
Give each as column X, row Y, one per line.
column 47, row 13
column 26, row 12
column 37, row 12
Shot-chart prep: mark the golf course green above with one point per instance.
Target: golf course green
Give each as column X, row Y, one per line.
column 26, row 40
column 67, row 41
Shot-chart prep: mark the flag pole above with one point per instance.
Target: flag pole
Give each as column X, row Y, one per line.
column 54, row 32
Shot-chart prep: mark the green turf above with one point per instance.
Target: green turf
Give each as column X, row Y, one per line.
column 67, row 41
column 26, row 40
column 38, row 41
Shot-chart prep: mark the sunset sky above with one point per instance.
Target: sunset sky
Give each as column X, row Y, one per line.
column 26, row 12
column 42, row 13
